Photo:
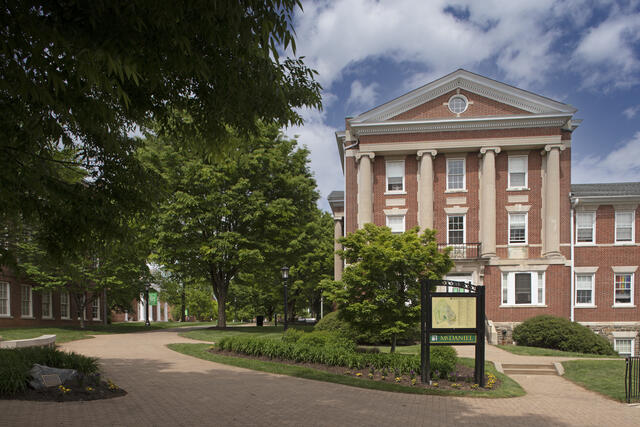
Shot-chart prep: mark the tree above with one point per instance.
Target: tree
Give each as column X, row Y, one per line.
column 222, row 219
column 82, row 77
column 380, row 289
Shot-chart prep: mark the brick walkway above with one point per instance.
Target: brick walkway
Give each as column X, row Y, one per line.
column 168, row 388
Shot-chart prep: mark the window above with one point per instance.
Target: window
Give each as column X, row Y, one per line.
column 27, row 301
column 458, row 104
column 623, row 289
column 95, row 308
column 455, row 174
column 47, row 307
column 585, row 227
column 522, row 288
column 518, row 171
column 64, row 305
column 517, row 228
column 5, row 299
column 396, row 223
column 584, row 289
column 624, row 346
column 624, row 226
column 395, row 176
column 455, row 230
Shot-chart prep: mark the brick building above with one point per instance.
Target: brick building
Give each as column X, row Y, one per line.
column 488, row 166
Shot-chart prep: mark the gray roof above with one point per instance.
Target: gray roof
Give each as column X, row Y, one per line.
column 336, row 196
column 606, row 189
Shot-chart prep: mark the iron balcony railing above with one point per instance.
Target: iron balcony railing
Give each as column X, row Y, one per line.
column 462, row 250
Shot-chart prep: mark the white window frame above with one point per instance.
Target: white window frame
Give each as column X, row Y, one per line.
column 403, row 223
column 633, row 228
column 95, row 305
column 464, row 229
column 22, row 301
column 65, row 314
column 538, row 289
column 403, row 190
column 526, row 229
column 8, row 288
column 623, row 304
column 592, row 289
column 633, row 345
column 526, row 172
column 593, row 228
column 49, row 295
column 464, row 174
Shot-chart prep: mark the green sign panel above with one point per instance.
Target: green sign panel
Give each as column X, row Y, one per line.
column 446, row 338
column 153, row 298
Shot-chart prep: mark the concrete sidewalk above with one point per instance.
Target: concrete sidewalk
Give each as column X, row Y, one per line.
column 168, row 388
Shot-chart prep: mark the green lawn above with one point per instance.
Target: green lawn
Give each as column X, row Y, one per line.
column 602, row 376
column 537, row 351
column 509, row 388
column 213, row 335
column 72, row 333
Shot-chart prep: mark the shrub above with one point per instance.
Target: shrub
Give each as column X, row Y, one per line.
column 332, row 322
column 292, row 335
column 16, row 363
column 561, row 334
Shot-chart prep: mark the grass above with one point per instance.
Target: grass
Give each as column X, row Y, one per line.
column 602, row 376
column 508, row 388
column 214, row 335
column 72, row 333
column 537, row 351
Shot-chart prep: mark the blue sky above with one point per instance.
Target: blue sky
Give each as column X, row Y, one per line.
column 584, row 53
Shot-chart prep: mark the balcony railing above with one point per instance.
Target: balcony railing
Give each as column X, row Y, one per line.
column 463, row 250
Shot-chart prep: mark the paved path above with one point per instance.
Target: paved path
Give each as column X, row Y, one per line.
column 168, row 388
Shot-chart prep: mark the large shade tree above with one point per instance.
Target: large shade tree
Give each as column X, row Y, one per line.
column 223, row 218
column 380, row 290
column 83, row 77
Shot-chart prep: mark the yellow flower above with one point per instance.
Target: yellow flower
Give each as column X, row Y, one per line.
column 89, row 388
column 398, row 379
column 358, row 374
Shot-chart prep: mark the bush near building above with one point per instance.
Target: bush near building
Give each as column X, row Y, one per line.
column 561, row 334
column 333, row 322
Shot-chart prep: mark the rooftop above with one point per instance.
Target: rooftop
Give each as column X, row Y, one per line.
column 606, row 189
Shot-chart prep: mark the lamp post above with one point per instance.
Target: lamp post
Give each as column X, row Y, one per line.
column 285, row 278
column 146, row 305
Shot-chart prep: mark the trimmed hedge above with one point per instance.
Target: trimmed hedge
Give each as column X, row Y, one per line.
column 334, row 352
column 15, row 365
column 561, row 334
column 332, row 322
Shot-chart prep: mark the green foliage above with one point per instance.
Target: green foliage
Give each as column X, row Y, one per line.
column 332, row 322
column 332, row 350
column 380, row 292
column 561, row 334
column 77, row 78
column 16, row 363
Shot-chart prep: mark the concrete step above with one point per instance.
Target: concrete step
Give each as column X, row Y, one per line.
column 527, row 366
column 529, row 372
column 529, row 369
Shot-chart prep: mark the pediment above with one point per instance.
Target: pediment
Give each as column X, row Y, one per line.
column 487, row 98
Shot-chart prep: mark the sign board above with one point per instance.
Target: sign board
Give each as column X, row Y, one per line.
column 453, row 312
column 452, row 339
column 153, row 298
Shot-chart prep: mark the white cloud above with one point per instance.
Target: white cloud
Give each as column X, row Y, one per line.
column 631, row 111
column 619, row 165
column 362, row 97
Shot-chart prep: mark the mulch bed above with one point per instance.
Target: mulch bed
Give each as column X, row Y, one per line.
column 461, row 379
column 54, row 394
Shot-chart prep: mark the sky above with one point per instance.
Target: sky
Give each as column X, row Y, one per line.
column 583, row 53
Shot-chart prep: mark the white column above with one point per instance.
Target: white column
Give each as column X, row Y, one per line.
column 488, row 201
column 158, row 317
column 126, row 316
column 425, row 188
column 337, row 260
column 365, row 188
column 166, row 312
column 552, row 201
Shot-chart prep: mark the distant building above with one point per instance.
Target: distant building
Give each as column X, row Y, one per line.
column 488, row 166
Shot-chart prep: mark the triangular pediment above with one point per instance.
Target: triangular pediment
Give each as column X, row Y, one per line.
column 487, row 98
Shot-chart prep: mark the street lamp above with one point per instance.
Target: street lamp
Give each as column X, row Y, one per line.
column 285, row 278
column 146, row 305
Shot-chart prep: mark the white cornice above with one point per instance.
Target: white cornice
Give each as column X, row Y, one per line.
column 471, row 82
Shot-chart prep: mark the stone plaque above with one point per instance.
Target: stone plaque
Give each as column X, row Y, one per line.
column 51, row 380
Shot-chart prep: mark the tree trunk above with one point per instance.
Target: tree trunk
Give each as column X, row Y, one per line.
column 184, row 304
column 222, row 316
column 393, row 344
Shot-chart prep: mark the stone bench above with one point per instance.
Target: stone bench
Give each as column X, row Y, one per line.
column 41, row 341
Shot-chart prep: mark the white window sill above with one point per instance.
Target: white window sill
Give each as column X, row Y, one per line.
column 518, row 245
column 456, row 190
column 395, row 193
column 523, row 306
column 6, row 316
column 518, row 189
column 65, row 318
column 585, row 306
column 625, row 243
column 28, row 317
column 95, row 320
column 585, row 244
column 623, row 306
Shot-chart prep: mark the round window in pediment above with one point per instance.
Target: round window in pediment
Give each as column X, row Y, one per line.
column 458, row 104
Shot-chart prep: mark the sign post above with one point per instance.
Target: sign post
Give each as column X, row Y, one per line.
column 451, row 318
